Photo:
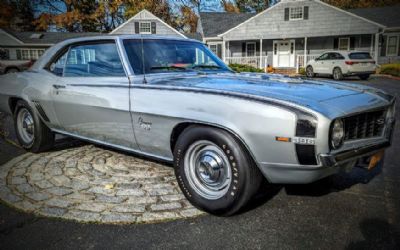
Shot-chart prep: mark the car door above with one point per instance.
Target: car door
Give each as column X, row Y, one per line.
column 335, row 60
column 320, row 64
column 91, row 95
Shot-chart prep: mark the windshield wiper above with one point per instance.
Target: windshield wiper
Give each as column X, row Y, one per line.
column 206, row 66
column 169, row 67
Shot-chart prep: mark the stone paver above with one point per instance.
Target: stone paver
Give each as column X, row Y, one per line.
column 91, row 184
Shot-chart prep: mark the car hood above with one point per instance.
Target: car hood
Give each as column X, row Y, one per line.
column 327, row 97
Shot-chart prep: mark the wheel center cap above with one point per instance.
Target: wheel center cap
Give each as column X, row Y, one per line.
column 210, row 168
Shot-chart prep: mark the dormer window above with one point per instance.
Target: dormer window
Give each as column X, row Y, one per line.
column 145, row 27
column 296, row 13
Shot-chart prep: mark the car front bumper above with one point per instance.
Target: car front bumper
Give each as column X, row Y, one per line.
column 330, row 163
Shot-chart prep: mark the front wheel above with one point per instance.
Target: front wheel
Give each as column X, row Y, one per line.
column 337, row 74
column 310, row 72
column 32, row 133
column 214, row 170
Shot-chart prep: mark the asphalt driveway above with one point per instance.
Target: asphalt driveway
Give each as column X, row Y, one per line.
column 356, row 210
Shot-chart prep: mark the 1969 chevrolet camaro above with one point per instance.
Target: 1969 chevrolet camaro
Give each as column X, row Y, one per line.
column 174, row 100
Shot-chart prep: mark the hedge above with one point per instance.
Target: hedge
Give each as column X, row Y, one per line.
column 245, row 68
column 390, row 69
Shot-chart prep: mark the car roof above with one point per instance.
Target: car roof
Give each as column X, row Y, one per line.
column 344, row 51
column 43, row 60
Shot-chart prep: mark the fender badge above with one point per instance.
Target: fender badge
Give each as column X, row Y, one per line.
column 144, row 125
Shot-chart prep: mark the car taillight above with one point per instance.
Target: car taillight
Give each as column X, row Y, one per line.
column 30, row 63
column 350, row 62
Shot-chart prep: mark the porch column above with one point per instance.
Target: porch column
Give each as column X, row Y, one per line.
column 372, row 44
column 261, row 48
column 305, row 52
column 376, row 53
column 223, row 50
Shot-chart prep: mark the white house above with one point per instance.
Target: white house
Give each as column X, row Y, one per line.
column 292, row 32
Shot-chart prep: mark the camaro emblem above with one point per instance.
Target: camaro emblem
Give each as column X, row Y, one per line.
column 144, row 125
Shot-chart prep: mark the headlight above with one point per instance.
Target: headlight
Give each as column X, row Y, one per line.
column 337, row 134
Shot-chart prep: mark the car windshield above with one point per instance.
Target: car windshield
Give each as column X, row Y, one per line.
column 163, row 56
column 360, row 55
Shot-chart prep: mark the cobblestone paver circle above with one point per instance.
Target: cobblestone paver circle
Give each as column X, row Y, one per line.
column 93, row 185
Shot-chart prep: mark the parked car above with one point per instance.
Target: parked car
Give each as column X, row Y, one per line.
column 340, row 64
column 172, row 99
column 12, row 66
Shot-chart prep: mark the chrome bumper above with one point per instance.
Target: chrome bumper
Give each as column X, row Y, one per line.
column 333, row 159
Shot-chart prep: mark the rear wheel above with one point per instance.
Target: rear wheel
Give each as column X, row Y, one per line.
column 214, row 170
column 337, row 74
column 32, row 133
column 364, row 77
column 310, row 72
column 11, row 70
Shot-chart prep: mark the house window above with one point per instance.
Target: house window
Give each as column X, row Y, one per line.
column 214, row 48
column 145, row 27
column 29, row 54
column 296, row 13
column 392, row 45
column 4, row 54
column 251, row 49
column 344, row 43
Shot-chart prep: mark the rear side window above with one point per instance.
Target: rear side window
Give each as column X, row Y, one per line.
column 360, row 55
column 90, row 60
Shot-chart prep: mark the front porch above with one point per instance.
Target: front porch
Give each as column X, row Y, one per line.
column 292, row 53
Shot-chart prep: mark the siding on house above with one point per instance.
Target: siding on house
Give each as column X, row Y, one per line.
column 322, row 20
column 145, row 16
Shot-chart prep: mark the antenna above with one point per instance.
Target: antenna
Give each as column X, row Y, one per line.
column 143, row 68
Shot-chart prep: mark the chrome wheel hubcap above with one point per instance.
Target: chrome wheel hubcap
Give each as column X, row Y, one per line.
column 208, row 170
column 26, row 126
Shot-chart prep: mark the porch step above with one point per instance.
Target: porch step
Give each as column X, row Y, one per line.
column 285, row 71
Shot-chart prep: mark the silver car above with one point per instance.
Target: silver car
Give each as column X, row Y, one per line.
column 174, row 100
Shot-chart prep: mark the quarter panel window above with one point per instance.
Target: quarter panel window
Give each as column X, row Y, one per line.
column 92, row 60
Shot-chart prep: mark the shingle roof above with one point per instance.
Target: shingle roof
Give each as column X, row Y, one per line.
column 388, row 15
column 216, row 23
column 195, row 36
column 48, row 37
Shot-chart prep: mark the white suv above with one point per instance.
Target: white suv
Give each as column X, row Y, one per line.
column 340, row 64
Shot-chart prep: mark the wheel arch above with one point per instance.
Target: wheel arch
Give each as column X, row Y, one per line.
column 180, row 127
column 12, row 103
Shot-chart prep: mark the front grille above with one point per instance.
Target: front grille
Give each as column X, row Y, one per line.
column 365, row 125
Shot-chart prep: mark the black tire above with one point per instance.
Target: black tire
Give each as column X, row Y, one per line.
column 337, row 74
column 310, row 72
column 43, row 138
column 364, row 77
column 246, row 177
column 11, row 70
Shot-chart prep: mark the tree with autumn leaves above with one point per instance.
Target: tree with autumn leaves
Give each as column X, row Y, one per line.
column 106, row 15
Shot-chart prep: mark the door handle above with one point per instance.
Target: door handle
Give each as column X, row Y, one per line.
column 57, row 86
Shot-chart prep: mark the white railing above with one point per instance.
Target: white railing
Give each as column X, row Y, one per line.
column 254, row 61
column 300, row 61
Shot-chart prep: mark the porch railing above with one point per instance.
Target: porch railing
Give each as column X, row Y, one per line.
column 300, row 61
column 254, row 61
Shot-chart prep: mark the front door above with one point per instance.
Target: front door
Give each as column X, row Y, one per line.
column 283, row 54
column 91, row 94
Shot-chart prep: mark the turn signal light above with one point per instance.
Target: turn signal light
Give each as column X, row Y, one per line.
column 283, row 139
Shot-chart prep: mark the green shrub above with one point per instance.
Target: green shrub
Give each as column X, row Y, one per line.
column 244, row 68
column 302, row 71
column 390, row 69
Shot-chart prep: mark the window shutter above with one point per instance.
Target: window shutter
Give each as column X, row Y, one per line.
column 305, row 12
column 137, row 28
column 286, row 14
column 336, row 43
column 219, row 50
column 243, row 49
column 352, row 43
column 383, row 45
column 19, row 54
column 153, row 27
